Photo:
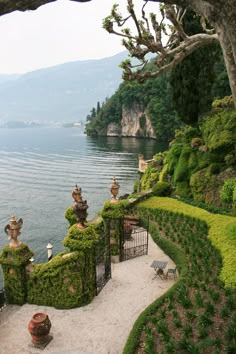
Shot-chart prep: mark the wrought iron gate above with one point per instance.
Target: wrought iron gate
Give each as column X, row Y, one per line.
column 134, row 240
column 103, row 260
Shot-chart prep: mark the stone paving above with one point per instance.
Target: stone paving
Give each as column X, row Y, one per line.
column 103, row 326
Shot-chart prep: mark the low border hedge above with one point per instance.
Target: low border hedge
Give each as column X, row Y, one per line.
column 222, row 231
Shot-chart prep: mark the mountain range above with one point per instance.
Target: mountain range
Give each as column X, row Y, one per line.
column 65, row 92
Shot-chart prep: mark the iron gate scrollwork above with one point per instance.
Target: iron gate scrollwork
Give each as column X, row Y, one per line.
column 134, row 240
column 103, row 260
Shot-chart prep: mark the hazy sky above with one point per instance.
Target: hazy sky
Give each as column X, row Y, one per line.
column 57, row 33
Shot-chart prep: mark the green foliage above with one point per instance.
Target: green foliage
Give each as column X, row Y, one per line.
column 14, row 261
column 214, row 168
column 142, row 121
column 173, row 156
column 115, row 250
column 183, row 189
column 67, row 281
column 221, row 231
column 196, row 169
column 219, row 130
column 70, row 216
column 111, row 111
column 210, row 208
column 161, row 189
column 114, row 210
column 181, row 172
column 136, row 186
column 78, row 239
column 225, row 102
column 178, row 257
column 16, row 256
column 152, row 96
column 196, row 142
column 192, row 79
column 193, row 227
column 149, row 178
column 230, row 159
column 228, row 192
column 221, row 85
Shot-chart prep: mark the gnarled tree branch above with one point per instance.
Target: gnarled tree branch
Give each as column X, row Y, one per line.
column 150, row 35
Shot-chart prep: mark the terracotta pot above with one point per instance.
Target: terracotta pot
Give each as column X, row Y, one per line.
column 39, row 328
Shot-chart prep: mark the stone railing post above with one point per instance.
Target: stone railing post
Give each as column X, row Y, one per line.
column 14, row 259
column 14, row 262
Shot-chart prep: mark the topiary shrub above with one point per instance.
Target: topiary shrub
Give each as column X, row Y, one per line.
column 14, row 262
column 149, row 178
column 183, row 189
column 181, row 172
column 219, row 131
column 114, row 210
column 228, row 192
column 161, row 189
column 80, row 239
column 193, row 161
column 70, row 216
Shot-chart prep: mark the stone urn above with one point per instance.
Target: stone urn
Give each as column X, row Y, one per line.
column 39, row 328
column 80, row 207
column 114, row 190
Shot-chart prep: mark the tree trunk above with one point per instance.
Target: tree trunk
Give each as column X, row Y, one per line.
column 228, row 49
column 222, row 16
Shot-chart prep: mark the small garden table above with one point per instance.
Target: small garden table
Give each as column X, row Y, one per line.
column 159, row 267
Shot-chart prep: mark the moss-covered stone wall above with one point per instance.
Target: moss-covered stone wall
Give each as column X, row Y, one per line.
column 14, row 263
column 66, row 281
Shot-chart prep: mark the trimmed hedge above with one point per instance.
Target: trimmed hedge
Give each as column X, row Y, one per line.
column 199, row 265
column 80, row 239
column 222, row 231
column 67, row 281
column 14, row 262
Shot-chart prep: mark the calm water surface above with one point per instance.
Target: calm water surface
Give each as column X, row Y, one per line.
column 40, row 167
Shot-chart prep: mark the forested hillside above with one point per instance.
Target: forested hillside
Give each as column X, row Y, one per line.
column 170, row 101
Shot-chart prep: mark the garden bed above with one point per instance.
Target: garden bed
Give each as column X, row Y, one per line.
column 198, row 315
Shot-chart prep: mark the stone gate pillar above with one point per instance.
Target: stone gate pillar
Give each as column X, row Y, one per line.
column 14, row 259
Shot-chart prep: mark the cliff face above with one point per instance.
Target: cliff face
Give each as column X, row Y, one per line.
column 134, row 123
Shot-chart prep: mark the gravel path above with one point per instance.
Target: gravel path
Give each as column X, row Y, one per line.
column 103, row 326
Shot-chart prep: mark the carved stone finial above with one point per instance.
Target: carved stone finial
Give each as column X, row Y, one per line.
column 13, row 231
column 76, row 194
column 114, row 190
column 80, row 207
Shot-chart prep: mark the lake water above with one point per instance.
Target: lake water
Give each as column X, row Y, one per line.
column 39, row 167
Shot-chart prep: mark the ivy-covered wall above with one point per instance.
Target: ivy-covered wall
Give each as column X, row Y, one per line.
column 14, row 263
column 66, row 281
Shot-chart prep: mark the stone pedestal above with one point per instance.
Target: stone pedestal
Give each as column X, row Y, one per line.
column 14, row 262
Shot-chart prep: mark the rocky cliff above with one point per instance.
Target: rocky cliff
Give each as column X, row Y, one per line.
column 134, row 123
